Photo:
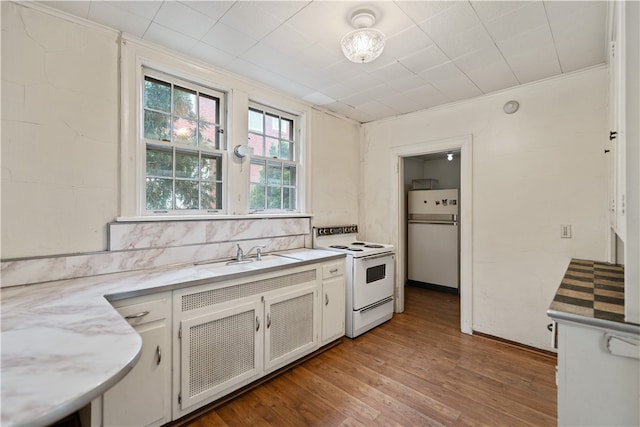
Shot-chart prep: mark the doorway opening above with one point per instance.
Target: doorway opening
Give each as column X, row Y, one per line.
column 432, row 184
column 399, row 214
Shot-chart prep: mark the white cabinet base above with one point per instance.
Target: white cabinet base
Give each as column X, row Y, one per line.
column 596, row 387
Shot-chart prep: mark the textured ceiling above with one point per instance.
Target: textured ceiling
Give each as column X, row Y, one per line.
column 437, row 52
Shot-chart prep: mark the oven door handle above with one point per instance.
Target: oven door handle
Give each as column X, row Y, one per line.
column 371, row 257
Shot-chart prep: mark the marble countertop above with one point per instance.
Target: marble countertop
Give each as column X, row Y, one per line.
column 592, row 293
column 63, row 344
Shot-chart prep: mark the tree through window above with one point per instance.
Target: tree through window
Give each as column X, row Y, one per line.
column 274, row 164
column 183, row 140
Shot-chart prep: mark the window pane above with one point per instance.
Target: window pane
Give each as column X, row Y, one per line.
column 272, row 183
column 272, row 125
column 274, row 174
column 286, row 129
column 257, row 173
column 157, row 125
column 288, row 198
column 211, row 168
column 159, row 162
column 285, row 150
column 272, row 147
column 186, row 165
column 289, row 175
column 256, row 141
column 184, row 132
column 273, row 198
column 159, row 194
column 187, row 195
column 257, row 197
column 208, row 135
column 157, row 94
column 184, row 103
column 255, row 121
column 209, row 196
column 181, row 124
column 208, row 108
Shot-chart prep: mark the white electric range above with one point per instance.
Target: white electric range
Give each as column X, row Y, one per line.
column 369, row 276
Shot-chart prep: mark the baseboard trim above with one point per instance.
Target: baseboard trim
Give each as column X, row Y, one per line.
column 440, row 288
column 531, row 349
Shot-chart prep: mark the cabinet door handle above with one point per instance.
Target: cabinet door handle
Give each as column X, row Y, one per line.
column 159, row 354
column 333, row 270
column 326, row 299
column 257, row 323
column 137, row 316
column 268, row 321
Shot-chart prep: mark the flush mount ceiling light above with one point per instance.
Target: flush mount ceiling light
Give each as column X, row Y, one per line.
column 363, row 44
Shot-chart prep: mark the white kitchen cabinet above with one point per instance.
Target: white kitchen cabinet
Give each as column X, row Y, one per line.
column 230, row 334
column 291, row 325
column 624, row 189
column 617, row 119
column 143, row 396
column 598, row 376
column 333, row 302
column 219, row 351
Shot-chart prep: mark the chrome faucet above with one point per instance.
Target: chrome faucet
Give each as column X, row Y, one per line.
column 240, row 253
column 258, row 249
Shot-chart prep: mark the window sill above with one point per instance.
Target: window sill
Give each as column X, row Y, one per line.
column 211, row 217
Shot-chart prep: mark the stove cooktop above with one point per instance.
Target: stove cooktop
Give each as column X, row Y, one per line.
column 344, row 239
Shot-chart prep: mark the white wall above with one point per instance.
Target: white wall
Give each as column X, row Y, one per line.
column 59, row 134
column 62, row 176
column 532, row 171
column 413, row 169
column 446, row 172
column 334, row 170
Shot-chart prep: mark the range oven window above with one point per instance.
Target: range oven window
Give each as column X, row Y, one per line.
column 376, row 273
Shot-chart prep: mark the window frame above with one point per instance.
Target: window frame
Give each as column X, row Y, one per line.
column 220, row 152
column 295, row 162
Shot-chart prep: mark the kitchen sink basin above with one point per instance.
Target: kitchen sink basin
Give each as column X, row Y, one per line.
column 247, row 260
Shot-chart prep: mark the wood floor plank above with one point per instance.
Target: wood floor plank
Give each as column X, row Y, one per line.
column 416, row 370
column 317, row 386
column 365, row 384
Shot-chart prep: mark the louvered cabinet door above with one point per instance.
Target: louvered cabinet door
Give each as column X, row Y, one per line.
column 220, row 351
column 291, row 323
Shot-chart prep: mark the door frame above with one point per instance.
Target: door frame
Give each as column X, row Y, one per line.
column 398, row 215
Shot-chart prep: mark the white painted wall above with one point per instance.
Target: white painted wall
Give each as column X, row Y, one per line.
column 62, row 175
column 532, row 171
column 446, row 172
column 59, row 134
column 334, row 170
column 413, row 169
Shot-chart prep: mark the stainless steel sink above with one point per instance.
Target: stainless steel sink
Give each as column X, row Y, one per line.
column 247, row 260
column 235, row 261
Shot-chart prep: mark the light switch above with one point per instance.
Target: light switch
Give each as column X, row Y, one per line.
column 565, row 231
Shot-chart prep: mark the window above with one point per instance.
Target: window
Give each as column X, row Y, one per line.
column 183, row 137
column 274, row 164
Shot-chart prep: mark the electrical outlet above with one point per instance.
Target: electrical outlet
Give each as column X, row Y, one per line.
column 565, row 231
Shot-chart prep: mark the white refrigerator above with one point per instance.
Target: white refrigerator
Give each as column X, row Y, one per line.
column 433, row 237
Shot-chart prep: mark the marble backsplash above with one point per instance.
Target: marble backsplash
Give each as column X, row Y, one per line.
column 141, row 245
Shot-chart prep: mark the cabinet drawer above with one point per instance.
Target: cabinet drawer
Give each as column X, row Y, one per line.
column 139, row 314
column 333, row 270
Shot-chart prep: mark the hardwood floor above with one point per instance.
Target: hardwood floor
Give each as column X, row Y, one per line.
column 416, row 370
